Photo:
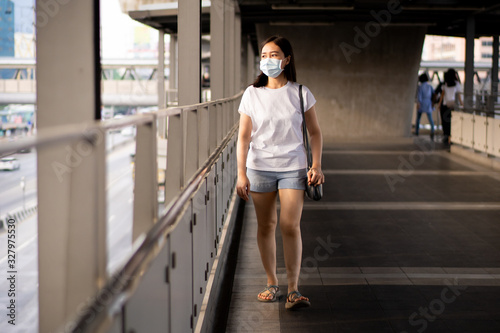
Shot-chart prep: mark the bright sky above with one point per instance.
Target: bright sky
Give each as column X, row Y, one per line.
column 117, row 31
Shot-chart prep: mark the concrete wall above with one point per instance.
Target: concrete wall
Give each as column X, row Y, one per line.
column 364, row 87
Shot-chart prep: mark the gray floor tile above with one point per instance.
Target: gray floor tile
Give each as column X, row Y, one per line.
column 391, row 250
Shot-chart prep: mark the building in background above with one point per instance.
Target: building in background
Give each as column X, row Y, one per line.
column 444, row 48
column 6, row 28
column 7, row 43
column 452, row 49
column 24, row 23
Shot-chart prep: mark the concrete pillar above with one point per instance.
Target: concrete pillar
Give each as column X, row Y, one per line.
column 161, row 81
column 229, row 48
column 369, row 92
column 217, row 49
column 172, row 79
column 251, row 75
column 189, row 52
column 237, row 53
column 469, row 64
column 494, row 68
column 244, row 63
column 71, row 176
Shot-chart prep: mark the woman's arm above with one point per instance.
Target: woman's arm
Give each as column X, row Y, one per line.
column 460, row 99
column 441, row 98
column 244, row 136
column 419, row 96
column 315, row 175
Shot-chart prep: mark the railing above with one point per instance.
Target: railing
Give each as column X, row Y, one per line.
column 166, row 282
column 478, row 131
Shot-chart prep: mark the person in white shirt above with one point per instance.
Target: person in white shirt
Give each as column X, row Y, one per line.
column 272, row 161
column 447, row 101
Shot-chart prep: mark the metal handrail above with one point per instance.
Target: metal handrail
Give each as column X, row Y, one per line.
column 72, row 133
column 123, row 283
column 53, row 135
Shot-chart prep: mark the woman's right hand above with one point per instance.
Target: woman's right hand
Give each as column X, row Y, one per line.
column 243, row 187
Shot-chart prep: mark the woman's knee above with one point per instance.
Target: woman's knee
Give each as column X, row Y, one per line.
column 267, row 226
column 289, row 229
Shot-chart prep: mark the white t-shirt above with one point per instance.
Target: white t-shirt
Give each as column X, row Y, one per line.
column 449, row 94
column 276, row 141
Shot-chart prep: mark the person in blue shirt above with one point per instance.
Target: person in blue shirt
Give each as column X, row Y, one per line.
column 424, row 102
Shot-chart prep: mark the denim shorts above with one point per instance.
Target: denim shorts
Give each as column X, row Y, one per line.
column 271, row 181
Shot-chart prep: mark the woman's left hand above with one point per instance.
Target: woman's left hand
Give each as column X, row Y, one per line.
column 315, row 176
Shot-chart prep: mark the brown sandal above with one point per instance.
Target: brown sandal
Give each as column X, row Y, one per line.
column 275, row 294
column 295, row 300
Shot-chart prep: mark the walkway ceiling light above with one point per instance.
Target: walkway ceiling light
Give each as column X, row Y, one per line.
column 412, row 24
column 441, row 8
column 286, row 23
column 319, row 8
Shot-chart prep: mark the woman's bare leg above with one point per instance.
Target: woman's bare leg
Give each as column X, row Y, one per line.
column 291, row 202
column 265, row 208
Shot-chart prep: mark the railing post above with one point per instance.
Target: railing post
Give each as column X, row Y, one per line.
column 212, row 119
column 174, row 172
column 220, row 123
column 203, row 134
column 71, row 178
column 145, row 179
column 225, row 119
column 191, row 138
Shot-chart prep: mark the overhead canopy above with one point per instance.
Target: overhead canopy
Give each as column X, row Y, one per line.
column 441, row 17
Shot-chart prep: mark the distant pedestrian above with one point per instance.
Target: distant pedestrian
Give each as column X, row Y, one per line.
column 447, row 102
column 424, row 102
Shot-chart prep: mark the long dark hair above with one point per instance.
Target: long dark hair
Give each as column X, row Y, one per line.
column 423, row 77
column 451, row 77
column 289, row 70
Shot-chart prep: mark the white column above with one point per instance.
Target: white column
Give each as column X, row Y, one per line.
column 217, row 49
column 71, row 177
column 237, row 53
column 189, row 51
column 469, row 64
column 161, row 81
column 250, row 63
column 494, row 68
column 229, row 48
column 172, row 78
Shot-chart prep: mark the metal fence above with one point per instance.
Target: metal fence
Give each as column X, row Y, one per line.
column 479, row 130
column 165, row 284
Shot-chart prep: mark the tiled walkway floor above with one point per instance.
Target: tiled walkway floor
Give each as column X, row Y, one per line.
column 406, row 239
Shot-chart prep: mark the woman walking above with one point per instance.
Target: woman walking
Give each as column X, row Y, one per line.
column 272, row 161
column 446, row 104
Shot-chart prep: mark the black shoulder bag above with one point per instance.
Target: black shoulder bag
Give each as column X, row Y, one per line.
column 314, row 192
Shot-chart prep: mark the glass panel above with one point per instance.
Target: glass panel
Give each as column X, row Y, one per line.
column 120, row 147
column 19, row 240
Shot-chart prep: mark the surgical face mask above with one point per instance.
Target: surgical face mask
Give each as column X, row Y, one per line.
column 271, row 67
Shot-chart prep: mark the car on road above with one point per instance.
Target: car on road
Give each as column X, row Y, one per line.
column 9, row 163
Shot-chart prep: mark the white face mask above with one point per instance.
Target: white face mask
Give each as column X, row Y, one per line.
column 271, row 67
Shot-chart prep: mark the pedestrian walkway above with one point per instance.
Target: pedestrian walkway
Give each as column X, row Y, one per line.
column 406, row 239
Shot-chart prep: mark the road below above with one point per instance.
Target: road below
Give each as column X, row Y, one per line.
column 119, row 231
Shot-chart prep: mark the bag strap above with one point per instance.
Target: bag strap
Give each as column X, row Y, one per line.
column 304, row 130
